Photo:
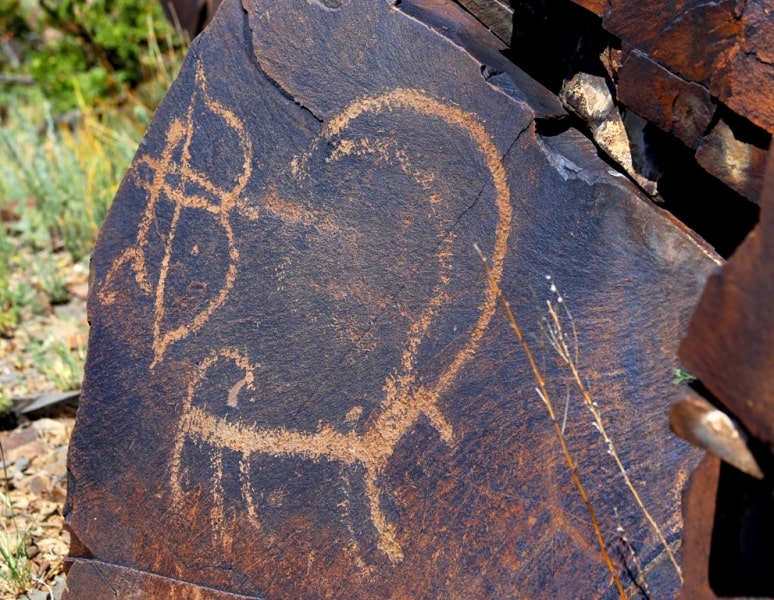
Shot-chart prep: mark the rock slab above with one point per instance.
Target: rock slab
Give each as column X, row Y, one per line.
column 299, row 382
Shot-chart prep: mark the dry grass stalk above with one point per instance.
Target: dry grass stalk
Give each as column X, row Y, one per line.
column 542, row 392
column 638, row 572
column 569, row 356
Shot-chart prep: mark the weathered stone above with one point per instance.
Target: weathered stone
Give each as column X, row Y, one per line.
column 748, row 88
column 596, row 6
column 679, row 107
column 730, row 342
column 729, row 346
column 737, row 163
column 497, row 15
column 98, row 580
column 589, row 97
column 729, row 525
column 644, row 160
column 697, row 421
column 724, row 46
column 699, row 513
column 668, row 32
column 299, row 383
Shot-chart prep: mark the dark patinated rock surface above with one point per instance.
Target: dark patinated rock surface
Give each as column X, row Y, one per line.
column 299, row 383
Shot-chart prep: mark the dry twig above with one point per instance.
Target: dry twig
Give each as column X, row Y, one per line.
column 569, row 356
column 542, row 392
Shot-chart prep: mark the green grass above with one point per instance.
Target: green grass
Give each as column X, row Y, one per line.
column 15, row 571
column 56, row 184
column 60, row 364
column 57, row 181
column 681, row 376
column 55, row 189
column 12, row 296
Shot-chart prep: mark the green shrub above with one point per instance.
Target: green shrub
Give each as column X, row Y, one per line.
column 99, row 45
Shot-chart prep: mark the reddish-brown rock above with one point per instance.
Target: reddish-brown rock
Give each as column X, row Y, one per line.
column 748, row 86
column 724, row 46
column 730, row 342
column 679, row 107
column 729, row 346
column 686, row 63
column 729, row 524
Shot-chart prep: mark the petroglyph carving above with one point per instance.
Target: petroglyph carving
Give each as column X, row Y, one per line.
column 173, row 178
column 405, row 397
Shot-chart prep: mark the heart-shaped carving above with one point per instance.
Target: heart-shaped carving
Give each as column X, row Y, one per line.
column 365, row 315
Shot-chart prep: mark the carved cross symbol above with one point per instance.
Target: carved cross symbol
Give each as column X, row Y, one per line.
column 174, row 178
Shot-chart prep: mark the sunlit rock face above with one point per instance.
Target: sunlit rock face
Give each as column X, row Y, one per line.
column 301, row 381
